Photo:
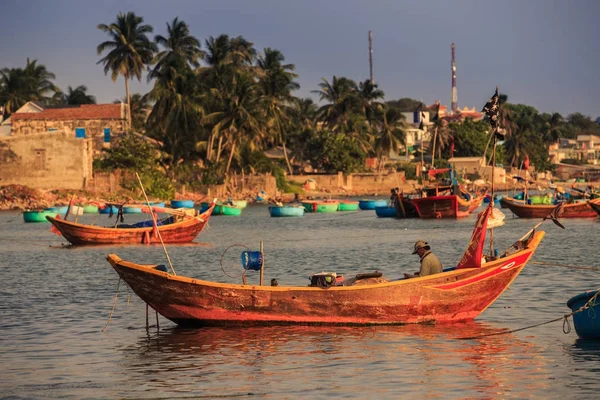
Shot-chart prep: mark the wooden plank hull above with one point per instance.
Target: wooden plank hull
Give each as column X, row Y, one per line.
column 439, row 207
column 573, row 210
column 183, row 231
column 450, row 296
column 595, row 205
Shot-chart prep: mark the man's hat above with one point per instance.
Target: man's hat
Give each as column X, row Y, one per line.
column 421, row 244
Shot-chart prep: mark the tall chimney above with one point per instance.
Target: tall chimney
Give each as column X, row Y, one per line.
column 371, row 56
column 454, row 95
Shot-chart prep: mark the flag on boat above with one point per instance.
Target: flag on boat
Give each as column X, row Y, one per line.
column 472, row 256
column 526, row 163
column 451, row 146
column 492, row 111
column 421, row 125
column 555, row 214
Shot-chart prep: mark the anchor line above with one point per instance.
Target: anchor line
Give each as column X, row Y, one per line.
column 566, row 326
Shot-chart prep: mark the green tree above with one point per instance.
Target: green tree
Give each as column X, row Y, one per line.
column 342, row 103
column 140, row 108
column 75, row 96
column 129, row 50
column 391, row 134
column 332, row 152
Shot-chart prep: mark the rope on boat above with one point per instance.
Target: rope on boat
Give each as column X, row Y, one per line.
column 114, row 305
column 566, row 325
column 564, row 265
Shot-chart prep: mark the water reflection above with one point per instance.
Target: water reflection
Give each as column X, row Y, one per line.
column 271, row 360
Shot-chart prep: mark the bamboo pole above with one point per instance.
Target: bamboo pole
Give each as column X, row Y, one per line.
column 155, row 225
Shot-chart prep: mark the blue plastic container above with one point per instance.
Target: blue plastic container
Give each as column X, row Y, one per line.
column 252, row 260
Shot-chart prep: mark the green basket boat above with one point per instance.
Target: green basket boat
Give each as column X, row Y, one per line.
column 347, row 205
column 37, row 216
column 320, row 206
column 222, row 209
column 90, row 209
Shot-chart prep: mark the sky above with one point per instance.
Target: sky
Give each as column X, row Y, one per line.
column 543, row 53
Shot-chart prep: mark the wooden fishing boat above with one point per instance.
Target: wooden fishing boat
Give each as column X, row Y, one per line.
column 477, row 202
column 37, row 215
column 182, row 203
column 586, row 321
column 286, row 211
column 320, row 206
column 595, row 205
column 370, row 204
column 572, row 210
column 440, row 207
column 455, row 295
column 175, row 229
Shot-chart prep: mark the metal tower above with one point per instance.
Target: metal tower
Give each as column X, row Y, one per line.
column 454, row 95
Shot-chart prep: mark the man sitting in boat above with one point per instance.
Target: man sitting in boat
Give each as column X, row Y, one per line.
column 430, row 264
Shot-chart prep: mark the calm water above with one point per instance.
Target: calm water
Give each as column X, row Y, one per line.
column 56, row 300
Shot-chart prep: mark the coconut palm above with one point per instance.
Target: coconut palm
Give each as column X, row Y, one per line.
column 181, row 50
column 78, row 96
column 275, row 84
column 342, row 102
column 239, row 116
column 391, row 134
column 129, row 50
column 140, row 108
column 368, row 94
column 14, row 90
column 40, row 81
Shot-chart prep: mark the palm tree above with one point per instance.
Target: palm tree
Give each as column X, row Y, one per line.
column 391, row 133
column 182, row 50
column 276, row 82
column 343, row 102
column 239, row 115
column 78, row 96
column 14, row 90
column 140, row 108
column 40, row 81
column 368, row 93
column 130, row 50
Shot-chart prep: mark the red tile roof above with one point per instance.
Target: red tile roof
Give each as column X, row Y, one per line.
column 85, row 111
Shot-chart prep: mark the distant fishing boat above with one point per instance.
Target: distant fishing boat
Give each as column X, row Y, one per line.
column 586, row 320
column 286, row 211
column 571, row 210
column 370, row 204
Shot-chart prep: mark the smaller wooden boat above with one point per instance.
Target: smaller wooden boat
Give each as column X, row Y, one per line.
column 477, row 202
column 440, row 207
column 370, row 204
column 222, row 209
column 386, row 212
column 571, row 210
column 182, row 203
column 37, row 215
column 595, row 205
column 318, row 206
column 286, row 211
column 586, row 317
column 177, row 228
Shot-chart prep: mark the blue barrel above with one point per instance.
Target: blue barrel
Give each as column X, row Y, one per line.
column 252, row 260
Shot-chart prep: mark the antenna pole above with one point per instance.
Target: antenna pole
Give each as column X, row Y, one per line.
column 371, row 56
column 454, row 94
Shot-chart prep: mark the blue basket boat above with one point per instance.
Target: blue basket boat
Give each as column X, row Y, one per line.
column 57, row 209
column 106, row 210
column 385, row 212
column 286, row 211
column 132, row 210
column 182, row 203
column 587, row 321
column 367, row 204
